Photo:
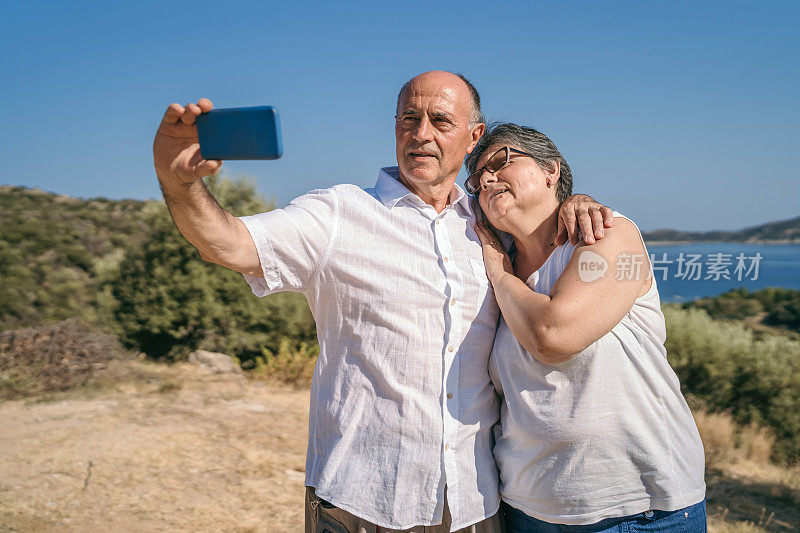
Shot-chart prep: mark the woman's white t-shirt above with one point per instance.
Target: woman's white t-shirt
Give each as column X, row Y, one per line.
column 604, row 434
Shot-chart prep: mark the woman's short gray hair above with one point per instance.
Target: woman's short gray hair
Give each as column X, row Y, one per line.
column 534, row 142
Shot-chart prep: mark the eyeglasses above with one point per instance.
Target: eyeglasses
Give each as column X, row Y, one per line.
column 496, row 161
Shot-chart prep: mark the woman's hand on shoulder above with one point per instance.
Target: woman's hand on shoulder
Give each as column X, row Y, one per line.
column 495, row 258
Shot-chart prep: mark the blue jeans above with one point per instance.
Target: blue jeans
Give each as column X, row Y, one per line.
column 692, row 519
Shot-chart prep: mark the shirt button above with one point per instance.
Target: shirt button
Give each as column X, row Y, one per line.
column 438, row 221
column 450, row 348
column 452, row 303
column 449, row 395
column 446, row 447
column 445, row 259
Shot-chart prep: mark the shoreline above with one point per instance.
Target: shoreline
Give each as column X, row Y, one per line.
column 767, row 242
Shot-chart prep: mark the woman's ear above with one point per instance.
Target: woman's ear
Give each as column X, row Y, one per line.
column 553, row 175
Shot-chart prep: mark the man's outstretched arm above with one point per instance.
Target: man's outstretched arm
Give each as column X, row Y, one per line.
column 219, row 236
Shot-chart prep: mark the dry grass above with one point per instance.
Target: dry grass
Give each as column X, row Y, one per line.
column 756, row 443
column 721, row 525
column 746, row 493
column 58, row 357
column 726, row 441
column 716, row 526
column 717, row 430
column 168, row 449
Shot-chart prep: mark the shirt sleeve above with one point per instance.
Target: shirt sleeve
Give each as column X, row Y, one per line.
column 293, row 243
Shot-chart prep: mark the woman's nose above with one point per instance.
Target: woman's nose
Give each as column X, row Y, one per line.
column 487, row 178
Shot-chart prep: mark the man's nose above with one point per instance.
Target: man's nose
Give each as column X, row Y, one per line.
column 423, row 131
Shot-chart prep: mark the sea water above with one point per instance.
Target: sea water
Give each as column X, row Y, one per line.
column 685, row 272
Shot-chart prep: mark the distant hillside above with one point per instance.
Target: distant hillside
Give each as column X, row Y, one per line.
column 122, row 265
column 783, row 231
column 56, row 250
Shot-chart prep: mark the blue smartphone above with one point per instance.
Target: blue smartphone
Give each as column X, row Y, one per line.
column 240, row 133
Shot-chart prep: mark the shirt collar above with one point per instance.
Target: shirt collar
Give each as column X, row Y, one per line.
column 390, row 190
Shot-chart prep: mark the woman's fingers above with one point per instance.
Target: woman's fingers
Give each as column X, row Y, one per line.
column 489, row 238
column 481, row 231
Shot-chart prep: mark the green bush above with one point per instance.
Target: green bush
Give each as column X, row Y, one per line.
column 780, row 306
column 290, row 364
column 728, row 368
column 734, row 304
column 168, row 302
column 785, row 313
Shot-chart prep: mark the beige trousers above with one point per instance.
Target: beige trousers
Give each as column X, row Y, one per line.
column 322, row 517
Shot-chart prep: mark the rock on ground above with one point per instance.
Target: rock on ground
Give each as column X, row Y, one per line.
column 214, row 362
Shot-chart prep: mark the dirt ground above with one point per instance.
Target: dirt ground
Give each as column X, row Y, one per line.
column 176, row 451
column 163, row 448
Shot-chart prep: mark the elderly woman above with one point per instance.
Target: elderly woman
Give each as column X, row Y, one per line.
column 595, row 434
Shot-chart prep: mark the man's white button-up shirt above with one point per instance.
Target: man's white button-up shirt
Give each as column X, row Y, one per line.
column 401, row 400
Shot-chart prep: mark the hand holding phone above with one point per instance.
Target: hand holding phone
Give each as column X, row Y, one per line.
column 240, row 133
column 176, row 151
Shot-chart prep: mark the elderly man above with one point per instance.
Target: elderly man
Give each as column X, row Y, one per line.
column 402, row 407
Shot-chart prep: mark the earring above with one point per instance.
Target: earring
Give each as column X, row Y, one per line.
column 548, row 184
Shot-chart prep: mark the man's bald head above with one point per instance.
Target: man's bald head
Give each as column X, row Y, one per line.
column 476, row 115
column 438, row 122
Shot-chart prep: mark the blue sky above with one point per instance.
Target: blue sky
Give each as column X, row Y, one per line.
column 679, row 114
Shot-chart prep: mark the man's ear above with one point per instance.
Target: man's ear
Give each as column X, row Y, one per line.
column 477, row 132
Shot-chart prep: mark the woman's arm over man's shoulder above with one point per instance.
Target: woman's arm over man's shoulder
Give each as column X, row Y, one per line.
column 597, row 288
